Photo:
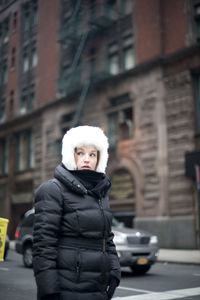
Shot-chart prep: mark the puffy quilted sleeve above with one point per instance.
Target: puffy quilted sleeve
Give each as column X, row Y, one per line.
column 115, row 265
column 48, row 212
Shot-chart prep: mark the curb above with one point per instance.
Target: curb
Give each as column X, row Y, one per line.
column 179, row 256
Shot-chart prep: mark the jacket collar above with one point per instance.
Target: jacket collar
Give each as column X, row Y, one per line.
column 63, row 175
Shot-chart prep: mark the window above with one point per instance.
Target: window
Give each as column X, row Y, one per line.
column 26, row 17
column 113, row 59
column 66, row 69
column 3, row 156
column 112, row 10
column 120, row 119
column 24, row 102
column 113, row 129
column 66, row 122
column 4, row 74
column 2, row 109
column 30, row 58
column 128, row 53
column 27, row 99
column 13, row 55
column 35, row 13
column 121, row 57
column 126, row 123
column 25, row 152
column 198, row 101
column 92, row 10
column 197, row 20
column 123, row 186
column 25, row 63
column 34, row 58
column 6, row 30
column 31, row 97
column 30, row 14
column 15, row 21
column 11, row 103
column 127, row 7
column 65, row 125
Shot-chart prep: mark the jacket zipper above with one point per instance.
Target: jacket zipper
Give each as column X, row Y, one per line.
column 104, row 225
column 78, row 267
column 104, row 240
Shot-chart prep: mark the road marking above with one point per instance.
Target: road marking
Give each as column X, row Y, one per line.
column 132, row 289
column 196, row 274
column 168, row 295
column 4, row 269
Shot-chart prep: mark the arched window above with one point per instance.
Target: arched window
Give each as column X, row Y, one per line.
column 122, row 194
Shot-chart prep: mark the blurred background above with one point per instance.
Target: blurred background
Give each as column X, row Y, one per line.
column 131, row 67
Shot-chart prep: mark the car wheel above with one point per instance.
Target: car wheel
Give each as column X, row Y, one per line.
column 140, row 270
column 28, row 256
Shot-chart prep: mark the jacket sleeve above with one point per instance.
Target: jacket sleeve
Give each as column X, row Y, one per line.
column 115, row 265
column 48, row 212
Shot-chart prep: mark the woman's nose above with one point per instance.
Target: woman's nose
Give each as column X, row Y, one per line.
column 86, row 157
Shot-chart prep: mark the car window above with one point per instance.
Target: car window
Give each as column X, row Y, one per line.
column 28, row 221
column 116, row 223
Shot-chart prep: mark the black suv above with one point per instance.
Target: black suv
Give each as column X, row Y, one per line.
column 24, row 238
column 136, row 249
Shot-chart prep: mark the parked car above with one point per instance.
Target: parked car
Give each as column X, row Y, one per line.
column 24, row 238
column 136, row 249
column 6, row 247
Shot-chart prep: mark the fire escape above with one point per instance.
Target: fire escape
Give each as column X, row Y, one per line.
column 86, row 22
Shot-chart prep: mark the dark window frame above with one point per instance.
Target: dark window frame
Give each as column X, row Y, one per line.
column 118, row 127
column 196, row 8
column 24, row 158
column 4, row 156
column 197, row 101
column 13, row 57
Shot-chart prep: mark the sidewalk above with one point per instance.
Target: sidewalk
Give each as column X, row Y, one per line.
column 179, row 256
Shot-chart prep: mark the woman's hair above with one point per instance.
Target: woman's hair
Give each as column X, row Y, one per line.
column 85, row 136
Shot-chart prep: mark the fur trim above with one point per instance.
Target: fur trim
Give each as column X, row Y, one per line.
column 84, row 136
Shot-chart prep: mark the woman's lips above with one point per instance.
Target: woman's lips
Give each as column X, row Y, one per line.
column 85, row 167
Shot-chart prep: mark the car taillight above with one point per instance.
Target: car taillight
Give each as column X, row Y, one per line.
column 16, row 233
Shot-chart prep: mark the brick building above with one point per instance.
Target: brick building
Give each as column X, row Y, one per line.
column 131, row 67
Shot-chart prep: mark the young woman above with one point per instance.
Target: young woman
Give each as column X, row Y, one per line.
column 74, row 256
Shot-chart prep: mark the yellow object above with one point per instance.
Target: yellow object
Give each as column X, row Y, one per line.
column 3, row 230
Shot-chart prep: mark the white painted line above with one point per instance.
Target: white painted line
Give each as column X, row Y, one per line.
column 168, row 295
column 132, row 289
column 196, row 274
column 4, row 269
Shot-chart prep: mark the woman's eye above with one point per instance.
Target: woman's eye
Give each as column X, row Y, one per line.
column 79, row 153
column 93, row 155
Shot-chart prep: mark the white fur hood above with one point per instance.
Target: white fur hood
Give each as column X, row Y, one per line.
column 84, row 136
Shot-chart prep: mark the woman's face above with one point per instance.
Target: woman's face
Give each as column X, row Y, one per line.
column 86, row 158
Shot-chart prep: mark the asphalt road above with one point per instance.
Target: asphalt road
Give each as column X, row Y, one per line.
column 164, row 281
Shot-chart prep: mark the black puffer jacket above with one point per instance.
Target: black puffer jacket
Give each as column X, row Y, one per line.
column 73, row 252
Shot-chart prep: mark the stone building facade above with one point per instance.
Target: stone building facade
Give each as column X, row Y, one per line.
column 138, row 79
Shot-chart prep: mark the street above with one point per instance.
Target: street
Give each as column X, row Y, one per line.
column 163, row 281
